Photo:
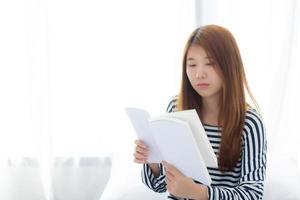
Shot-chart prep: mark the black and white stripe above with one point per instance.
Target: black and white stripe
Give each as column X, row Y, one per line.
column 245, row 181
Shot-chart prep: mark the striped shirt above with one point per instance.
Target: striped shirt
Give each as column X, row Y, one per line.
column 245, row 181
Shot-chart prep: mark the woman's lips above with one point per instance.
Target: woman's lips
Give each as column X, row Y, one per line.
column 202, row 85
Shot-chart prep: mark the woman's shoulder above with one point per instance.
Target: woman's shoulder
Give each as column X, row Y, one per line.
column 172, row 104
column 254, row 125
column 252, row 116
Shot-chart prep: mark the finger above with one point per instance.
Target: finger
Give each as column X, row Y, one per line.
column 167, row 180
column 139, row 161
column 172, row 169
column 140, row 156
column 170, row 189
column 167, row 166
column 140, row 143
column 170, row 176
column 141, row 150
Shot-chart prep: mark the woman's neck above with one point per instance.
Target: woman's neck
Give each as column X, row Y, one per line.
column 210, row 111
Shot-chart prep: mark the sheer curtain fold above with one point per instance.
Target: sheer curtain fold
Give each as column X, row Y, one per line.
column 289, row 117
column 67, row 71
column 24, row 131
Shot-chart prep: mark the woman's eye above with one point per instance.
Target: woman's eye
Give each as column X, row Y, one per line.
column 209, row 64
column 193, row 65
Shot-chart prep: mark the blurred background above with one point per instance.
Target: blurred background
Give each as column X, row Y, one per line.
column 69, row 68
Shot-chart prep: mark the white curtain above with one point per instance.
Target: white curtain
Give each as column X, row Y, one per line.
column 67, row 71
column 268, row 34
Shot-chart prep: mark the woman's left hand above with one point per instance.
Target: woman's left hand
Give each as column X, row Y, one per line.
column 181, row 186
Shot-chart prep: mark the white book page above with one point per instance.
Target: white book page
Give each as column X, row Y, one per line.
column 206, row 150
column 139, row 119
column 178, row 147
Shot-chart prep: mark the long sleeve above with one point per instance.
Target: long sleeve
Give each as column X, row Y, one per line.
column 253, row 165
column 156, row 184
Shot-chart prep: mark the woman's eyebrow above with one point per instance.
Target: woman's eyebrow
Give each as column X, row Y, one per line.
column 190, row 59
column 206, row 57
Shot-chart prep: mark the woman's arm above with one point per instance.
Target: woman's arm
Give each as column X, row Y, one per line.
column 154, row 168
column 155, row 180
column 253, row 166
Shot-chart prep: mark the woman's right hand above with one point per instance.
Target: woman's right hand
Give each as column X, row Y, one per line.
column 141, row 152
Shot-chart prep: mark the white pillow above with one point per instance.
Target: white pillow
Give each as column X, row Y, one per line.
column 21, row 179
column 80, row 178
column 125, row 181
column 282, row 178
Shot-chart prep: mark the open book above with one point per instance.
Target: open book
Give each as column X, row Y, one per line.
column 178, row 138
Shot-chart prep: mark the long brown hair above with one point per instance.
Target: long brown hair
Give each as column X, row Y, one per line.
column 221, row 46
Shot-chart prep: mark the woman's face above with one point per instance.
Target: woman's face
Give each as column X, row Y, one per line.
column 202, row 73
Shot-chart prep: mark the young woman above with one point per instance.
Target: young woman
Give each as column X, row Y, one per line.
column 214, row 83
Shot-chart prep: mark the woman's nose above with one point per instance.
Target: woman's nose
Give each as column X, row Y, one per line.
column 200, row 73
